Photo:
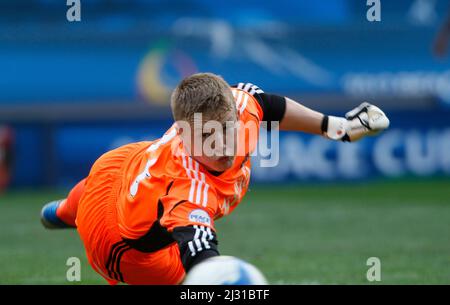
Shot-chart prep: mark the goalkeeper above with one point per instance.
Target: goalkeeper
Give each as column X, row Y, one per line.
column 146, row 212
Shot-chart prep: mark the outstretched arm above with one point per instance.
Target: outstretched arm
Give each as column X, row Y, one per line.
column 366, row 119
column 301, row 118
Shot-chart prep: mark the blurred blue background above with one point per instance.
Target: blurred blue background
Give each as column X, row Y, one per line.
column 73, row 90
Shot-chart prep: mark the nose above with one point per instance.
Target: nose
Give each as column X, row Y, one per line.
column 220, row 146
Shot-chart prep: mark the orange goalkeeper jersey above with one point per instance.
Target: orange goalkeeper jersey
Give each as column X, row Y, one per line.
column 161, row 183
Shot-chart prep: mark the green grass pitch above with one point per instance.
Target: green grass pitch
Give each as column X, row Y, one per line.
column 310, row 234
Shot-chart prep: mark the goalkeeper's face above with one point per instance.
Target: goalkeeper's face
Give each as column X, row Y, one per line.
column 205, row 111
column 213, row 141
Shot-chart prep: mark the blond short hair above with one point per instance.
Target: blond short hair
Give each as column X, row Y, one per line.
column 204, row 93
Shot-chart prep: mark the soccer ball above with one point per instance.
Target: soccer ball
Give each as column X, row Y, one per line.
column 224, row 270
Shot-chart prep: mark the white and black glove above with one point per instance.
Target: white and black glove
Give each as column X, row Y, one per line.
column 366, row 119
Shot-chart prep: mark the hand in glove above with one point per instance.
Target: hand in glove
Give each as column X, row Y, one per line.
column 366, row 119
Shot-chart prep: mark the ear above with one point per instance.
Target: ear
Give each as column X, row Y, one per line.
column 178, row 129
column 182, row 126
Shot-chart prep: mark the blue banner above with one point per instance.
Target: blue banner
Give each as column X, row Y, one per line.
column 416, row 144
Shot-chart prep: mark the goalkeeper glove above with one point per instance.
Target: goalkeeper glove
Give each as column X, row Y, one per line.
column 366, row 119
